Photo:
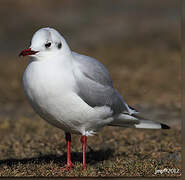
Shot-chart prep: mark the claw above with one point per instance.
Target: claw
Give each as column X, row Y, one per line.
column 68, row 167
column 84, row 167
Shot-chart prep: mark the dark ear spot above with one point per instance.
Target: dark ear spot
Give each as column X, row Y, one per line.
column 59, row 45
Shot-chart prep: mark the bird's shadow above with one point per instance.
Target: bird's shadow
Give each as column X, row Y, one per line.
column 92, row 157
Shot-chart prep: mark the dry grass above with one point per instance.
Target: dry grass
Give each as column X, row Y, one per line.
column 31, row 147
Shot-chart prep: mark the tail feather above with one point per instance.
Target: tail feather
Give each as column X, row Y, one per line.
column 146, row 124
column 126, row 120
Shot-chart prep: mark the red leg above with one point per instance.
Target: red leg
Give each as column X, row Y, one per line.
column 68, row 141
column 84, row 141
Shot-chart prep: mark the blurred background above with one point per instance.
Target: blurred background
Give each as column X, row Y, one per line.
column 138, row 41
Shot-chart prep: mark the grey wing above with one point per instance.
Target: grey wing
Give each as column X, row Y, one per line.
column 94, row 84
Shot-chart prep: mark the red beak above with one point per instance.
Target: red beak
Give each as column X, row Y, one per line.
column 27, row 52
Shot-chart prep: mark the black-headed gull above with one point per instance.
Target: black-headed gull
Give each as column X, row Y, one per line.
column 74, row 92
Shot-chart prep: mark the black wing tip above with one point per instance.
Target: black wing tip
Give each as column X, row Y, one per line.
column 164, row 126
column 133, row 109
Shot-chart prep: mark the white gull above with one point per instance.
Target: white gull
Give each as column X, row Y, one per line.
column 74, row 92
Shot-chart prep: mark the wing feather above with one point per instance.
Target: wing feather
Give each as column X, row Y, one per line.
column 95, row 85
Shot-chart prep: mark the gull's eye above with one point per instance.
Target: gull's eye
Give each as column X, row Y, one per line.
column 59, row 45
column 47, row 45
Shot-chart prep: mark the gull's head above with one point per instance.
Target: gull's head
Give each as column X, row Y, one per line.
column 46, row 42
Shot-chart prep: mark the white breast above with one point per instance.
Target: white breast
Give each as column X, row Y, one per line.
column 50, row 88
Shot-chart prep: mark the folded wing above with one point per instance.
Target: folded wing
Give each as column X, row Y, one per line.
column 95, row 85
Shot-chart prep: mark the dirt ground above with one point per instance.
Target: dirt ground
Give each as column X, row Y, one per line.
column 140, row 46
